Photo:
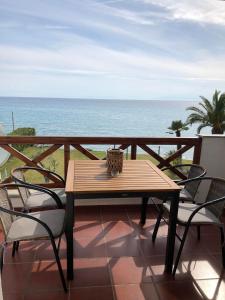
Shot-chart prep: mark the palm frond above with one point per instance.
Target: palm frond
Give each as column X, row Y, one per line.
column 206, row 104
column 195, row 118
column 215, row 97
column 209, row 113
column 196, row 109
column 202, row 126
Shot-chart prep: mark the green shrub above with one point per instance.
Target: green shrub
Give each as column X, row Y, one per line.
column 23, row 131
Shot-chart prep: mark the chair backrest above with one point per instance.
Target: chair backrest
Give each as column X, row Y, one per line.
column 216, row 191
column 6, row 219
column 23, row 191
column 195, row 171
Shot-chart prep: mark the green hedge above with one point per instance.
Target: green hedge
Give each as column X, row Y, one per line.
column 23, row 131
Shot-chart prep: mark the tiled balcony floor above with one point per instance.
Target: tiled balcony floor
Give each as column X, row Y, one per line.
column 115, row 259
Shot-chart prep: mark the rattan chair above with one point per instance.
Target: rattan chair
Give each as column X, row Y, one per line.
column 33, row 201
column 41, row 225
column 192, row 214
column 189, row 190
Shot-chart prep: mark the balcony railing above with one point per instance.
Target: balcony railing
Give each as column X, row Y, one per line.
column 53, row 143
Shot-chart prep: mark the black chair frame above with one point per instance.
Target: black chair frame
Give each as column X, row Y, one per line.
column 188, row 224
column 40, row 170
column 24, row 215
column 179, row 182
column 41, row 188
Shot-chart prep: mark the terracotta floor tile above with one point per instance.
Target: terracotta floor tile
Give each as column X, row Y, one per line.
column 209, row 231
column 143, row 291
column 121, row 255
column 211, row 288
column 13, row 297
column 91, row 272
column 87, row 213
column 114, row 213
column 91, row 293
column 150, row 249
column 114, row 230
column 178, row 290
column 157, row 267
column 134, row 212
column 214, row 246
column 85, row 229
column 2, row 237
column 127, row 246
column 192, row 246
column 53, row 295
column 204, row 267
column 143, row 231
column 45, row 276
column 25, row 253
column 218, row 265
column 45, row 251
column 90, row 247
column 15, row 277
column 126, row 270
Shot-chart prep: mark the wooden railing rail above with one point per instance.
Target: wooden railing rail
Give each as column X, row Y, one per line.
column 54, row 143
column 52, row 140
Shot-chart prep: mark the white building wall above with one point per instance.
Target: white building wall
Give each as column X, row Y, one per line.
column 212, row 158
column 213, row 155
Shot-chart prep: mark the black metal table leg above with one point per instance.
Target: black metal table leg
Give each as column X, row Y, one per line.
column 143, row 210
column 171, row 233
column 69, row 234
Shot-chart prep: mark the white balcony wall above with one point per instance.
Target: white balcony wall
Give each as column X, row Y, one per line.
column 212, row 158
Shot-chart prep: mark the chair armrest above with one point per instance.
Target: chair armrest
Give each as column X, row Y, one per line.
column 177, row 166
column 40, row 170
column 184, row 165
column 51, row 193
column 206, row 204
column 183, row 182
column 24, row 215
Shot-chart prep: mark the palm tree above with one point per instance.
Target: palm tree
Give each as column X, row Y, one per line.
column 210, row 114
column 176, row 127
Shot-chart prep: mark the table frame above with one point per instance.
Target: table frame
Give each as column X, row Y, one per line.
column 96, row 190
column 174, row 196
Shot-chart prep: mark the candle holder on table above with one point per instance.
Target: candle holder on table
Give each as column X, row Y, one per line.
column 114, row 161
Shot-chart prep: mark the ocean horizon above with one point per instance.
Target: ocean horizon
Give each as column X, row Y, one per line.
column 50, row 115
column 94, row 117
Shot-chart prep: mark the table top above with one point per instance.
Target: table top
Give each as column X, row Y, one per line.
column 91, row 176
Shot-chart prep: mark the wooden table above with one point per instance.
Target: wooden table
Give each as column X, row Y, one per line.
column 140, row 178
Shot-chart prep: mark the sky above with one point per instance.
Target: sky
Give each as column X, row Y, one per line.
column 112, row 49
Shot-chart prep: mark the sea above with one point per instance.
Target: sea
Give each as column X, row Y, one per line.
column 95, row 117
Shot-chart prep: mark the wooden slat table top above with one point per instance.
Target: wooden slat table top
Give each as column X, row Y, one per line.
column 91, row 176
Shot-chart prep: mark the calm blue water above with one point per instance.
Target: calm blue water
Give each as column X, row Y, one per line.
column 81, row 117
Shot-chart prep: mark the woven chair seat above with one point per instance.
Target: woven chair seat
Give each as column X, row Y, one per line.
column 209, row 212
column 204, row 216
column 36, row 199
column 19, row 226
column 185, row 195
column 40, row 199
column 27, row 229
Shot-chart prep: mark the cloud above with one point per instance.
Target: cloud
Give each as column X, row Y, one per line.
column 112, row 48
column 203, row 12
column 95, row 60
column 126, row 14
